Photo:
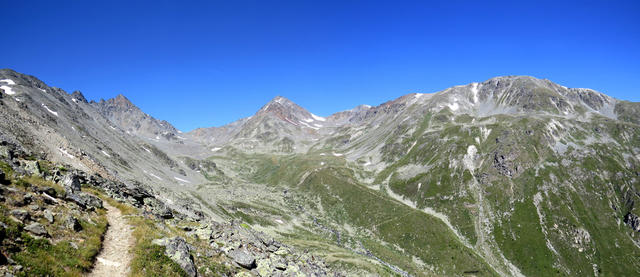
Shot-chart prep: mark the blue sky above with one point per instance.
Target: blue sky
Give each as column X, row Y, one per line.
column 199, row 64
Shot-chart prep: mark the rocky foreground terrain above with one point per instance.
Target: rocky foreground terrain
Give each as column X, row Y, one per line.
column 51, row 212
column 514, row 176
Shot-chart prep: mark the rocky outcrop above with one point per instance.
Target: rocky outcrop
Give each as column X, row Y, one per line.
column 633, row 221
column 37, row 229
column 178, row 250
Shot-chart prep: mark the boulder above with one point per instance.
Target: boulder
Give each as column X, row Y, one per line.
column 48, row 190
column 32, row 167
column 3, row 178
column 37, row 229
column 6, row 152
column 203, row 233
column 73, row 224
column 85, row 200
column 48, row 215
column 633, row 221
column 71, row 183
column 20, row 215
column 243, row 258
column 157, row 208
column 178, row 250
column 25, row 200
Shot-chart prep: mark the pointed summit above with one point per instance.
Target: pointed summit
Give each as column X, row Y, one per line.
column 284, row 109
column 123, row 113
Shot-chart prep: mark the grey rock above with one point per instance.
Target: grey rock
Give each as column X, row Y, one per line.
column 6, row 152
column 48, row 190
column 272, row 248
column 37, row 229
column 85, row 200
column 48, row 215
column 203, row 233
column 32, row 167
column 73, row 224
column 157, row 208
column 25, row 200
column 161, row 241
column 20, row 215
column 3, row 178
column 243, row 258
column 178, row 250
column 633, row 221
column 71, row 183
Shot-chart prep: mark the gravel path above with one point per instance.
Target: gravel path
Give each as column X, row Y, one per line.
column 115, row 257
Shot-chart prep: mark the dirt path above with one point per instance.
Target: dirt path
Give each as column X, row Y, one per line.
column 114, row 259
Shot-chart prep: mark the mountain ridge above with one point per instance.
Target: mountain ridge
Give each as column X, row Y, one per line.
column 462, row 181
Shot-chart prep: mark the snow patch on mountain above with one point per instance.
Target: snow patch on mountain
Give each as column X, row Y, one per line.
column 51, row 111
column 454, row 106
column 63, row 151
column 318, row 118
column 7, row 90
column 8, row 81
column 182, row 180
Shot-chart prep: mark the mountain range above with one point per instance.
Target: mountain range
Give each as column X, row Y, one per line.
column 513, row 176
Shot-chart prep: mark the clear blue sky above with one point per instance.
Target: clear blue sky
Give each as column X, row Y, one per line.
column 200, row 64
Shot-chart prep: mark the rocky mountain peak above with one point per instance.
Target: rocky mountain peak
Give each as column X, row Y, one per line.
column 284, row 109
column 79, row 96
column 119, row 102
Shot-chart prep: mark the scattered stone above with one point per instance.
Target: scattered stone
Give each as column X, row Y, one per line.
column 272, row 248
column 282, row 251
column 178, row 250
column 243, row 258
column 48, row 190
column 6, row 152
column 20, row 215
column 264, row 267
column 85, row 200
column 73, row 224
column 204, row 233
column 157, row 208
column 3, row 178
column 633, row 221
column 25, row 200
column 71, row 183
column 32, row 167
column 37, row 229
column 48, row 215
column 74, row 245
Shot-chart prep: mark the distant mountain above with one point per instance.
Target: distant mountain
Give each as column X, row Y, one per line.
column 130, row 118
column 511, row 176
